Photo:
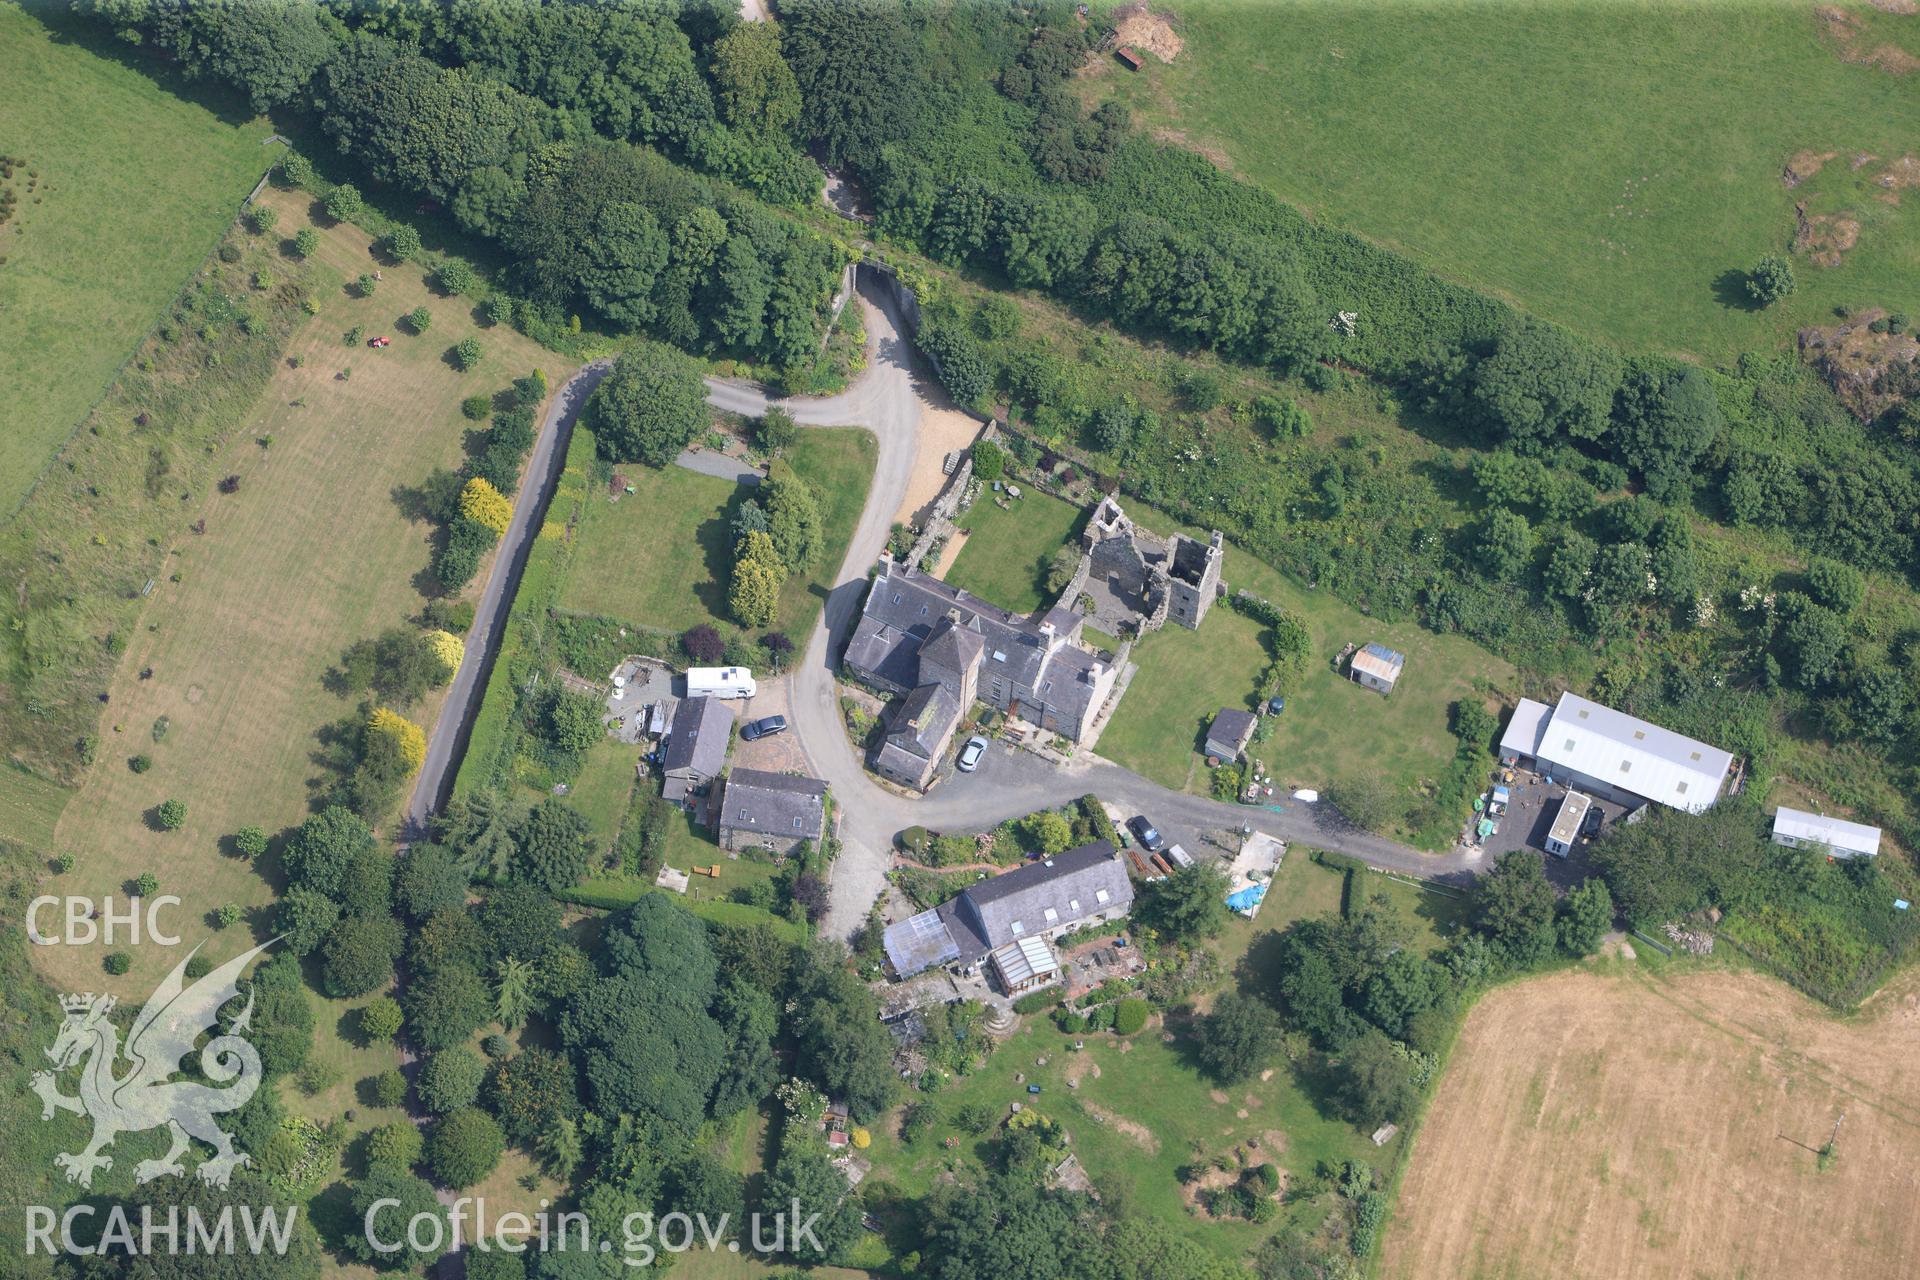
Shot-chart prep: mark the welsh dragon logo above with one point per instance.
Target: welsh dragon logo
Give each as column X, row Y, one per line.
column 143, row 1097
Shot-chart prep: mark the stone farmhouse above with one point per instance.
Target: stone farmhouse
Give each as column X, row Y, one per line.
column 777, row 811
column 941, row 649
column 1036, row 902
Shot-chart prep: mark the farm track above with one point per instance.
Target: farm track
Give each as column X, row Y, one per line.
column 891, row 400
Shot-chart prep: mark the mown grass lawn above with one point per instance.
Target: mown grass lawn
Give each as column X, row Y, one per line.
column 605, row 783
column 661, row 556
column 1603, row 165
column 133, row 185
column 1433, row 914
column 1331, row 728
column 1300, row 888
column 1005, row 558
column 1184, row 678
column 318, row 547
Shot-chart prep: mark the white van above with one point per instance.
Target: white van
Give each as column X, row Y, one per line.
column 720, row 682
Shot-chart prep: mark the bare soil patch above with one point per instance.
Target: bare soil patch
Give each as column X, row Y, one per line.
column 1895, row 6
column 1804, row 165
column 1190, row 1192
column 1079, row 1067
column 1851, row 43
column 1618, row 1125
column 1824, row 237
column 1132, row 1130
column 1139, row 27
column 1901, row 175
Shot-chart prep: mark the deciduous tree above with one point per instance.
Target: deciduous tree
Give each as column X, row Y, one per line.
column 1237, row 1037
column 648, row 408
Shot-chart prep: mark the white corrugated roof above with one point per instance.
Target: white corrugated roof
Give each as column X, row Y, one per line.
column 1628, row 753
column 1522, row 737
column 1835, row 833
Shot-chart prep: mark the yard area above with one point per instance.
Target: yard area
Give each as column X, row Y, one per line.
column 661, row 556
column 1006, row 554
column 132, row 184
column 1331, row 728
column 1443, row 132
column 1676, row 1120
column 318, row 547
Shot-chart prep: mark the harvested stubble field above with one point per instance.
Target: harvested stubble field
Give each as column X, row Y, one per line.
column 318, row 548
column 1615, row 1125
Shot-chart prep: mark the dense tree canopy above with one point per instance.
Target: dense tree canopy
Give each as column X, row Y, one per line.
column 1541, row 385
column 644, row 1050
column 1187, row 906
column 841, row 1043
column 554, row 845
column 322, row 849
column 648, row 408
column 1513, row 905
column 1666, row 418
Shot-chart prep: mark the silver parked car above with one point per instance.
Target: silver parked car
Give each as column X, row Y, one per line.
column 971, row 754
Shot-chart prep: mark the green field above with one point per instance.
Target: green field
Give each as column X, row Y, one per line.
column 134, row 184
column 1331, row 728
column 661, row 555
column 1005, row 557
column 316, row 548
column 1599, row 164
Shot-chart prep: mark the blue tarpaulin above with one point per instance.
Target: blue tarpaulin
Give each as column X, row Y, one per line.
column 1247, row 899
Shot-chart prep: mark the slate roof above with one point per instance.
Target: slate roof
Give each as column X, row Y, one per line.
column 922, row 720
column 904, row 608
column 1068, row 884
column 1232, row 726
column 983, row 917
column 774, row 804
column 697, row 738
column 952, row 645
column 918, row 732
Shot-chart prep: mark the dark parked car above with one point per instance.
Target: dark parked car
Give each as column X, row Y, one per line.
column 1150, row 840
column 764, row 728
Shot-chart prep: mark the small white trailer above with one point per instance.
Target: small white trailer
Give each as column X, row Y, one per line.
column 720, row 682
